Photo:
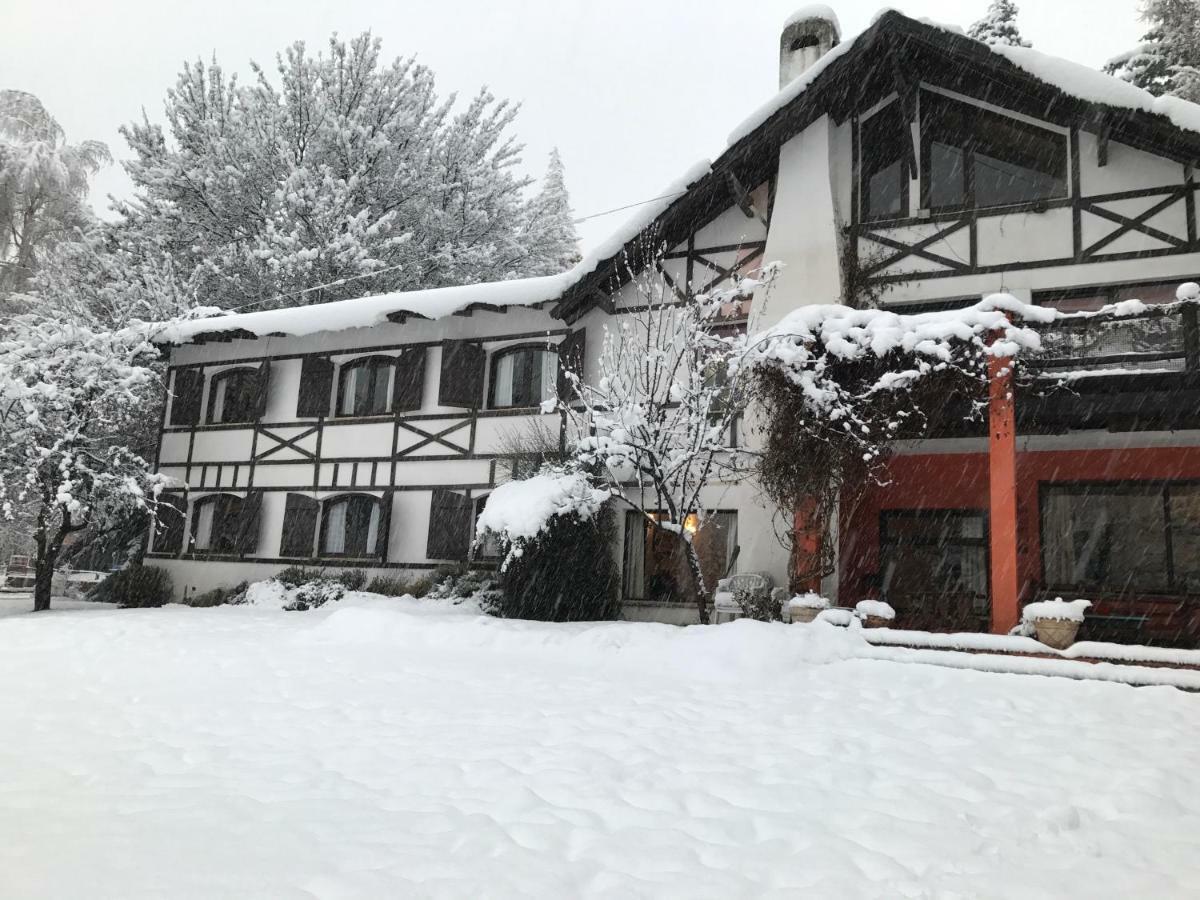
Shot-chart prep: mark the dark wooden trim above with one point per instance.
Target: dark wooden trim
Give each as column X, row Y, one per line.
column 316, row 562
column 1076, row 199
column 494, row 360
column 370, row 361
column 918, row 249
column 284, row 443
column 434, row 438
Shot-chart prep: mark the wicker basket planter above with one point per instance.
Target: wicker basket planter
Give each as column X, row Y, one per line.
column 804, row 614
column 1056, row 633
column 876, row 622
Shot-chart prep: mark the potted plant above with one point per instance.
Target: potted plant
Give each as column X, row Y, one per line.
column 875, row 613
column 806, row 607
column 1057, row 621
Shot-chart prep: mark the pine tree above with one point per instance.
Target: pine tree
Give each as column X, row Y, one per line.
column 550, row 224
column 1168, row 59
column 337, row 176
column 999, row 25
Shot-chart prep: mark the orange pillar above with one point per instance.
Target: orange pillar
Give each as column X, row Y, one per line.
column 1002, row 516
column 806, row 559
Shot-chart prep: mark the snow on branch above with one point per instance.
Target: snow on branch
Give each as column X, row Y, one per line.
column 519, row 512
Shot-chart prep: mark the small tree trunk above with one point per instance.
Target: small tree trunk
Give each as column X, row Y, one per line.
column 43, row 582
column 693, row 561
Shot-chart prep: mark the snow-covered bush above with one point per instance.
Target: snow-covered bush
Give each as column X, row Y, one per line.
column 468, row 584
column 1057, row 609
column 758, row 605
column 399, row 586
column 315, row 594
column 218, row 596
column 352, row 579
column 136, row 586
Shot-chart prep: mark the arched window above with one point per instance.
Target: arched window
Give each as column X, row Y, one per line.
column 523, row 376
column 363, row 386
column 216, row 521
column 233, row 396
column 350, row 526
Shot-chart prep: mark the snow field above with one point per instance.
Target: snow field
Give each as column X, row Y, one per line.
column 404, row 748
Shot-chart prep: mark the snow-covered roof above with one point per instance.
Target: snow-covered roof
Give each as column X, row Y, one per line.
column 814, row 11
column 1072, row 79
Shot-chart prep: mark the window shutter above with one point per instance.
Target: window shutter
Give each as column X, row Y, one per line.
column 185, row 402
column 261, row 389
column 462, row 374
column 169, row 530
column 570, row 359
column 247, row 523
column 385, row 523
column 449, row 526
column 316, row 386
column 299, row 526
column 409, row 381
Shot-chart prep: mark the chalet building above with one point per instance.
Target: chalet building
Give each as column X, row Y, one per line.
column 911, row 168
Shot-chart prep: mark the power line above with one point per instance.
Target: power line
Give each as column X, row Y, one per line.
column 628, row 206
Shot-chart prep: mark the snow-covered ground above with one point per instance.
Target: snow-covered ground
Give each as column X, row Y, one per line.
column 395, row 749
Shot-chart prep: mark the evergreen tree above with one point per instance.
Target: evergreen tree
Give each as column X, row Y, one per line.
column 999, row 25
column 343, row 172
column 1168, row 59
column 550, row 224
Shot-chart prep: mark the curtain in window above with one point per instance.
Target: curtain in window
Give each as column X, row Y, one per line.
column 549, row 375
column 221, row 389
column 502, row 391
column 335, row 527
column 634, row 568
column 204, row 524
column 368, row 549
column 1106, row 538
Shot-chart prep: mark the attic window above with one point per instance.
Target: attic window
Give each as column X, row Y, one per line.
column 884, row 181
column 972, row 158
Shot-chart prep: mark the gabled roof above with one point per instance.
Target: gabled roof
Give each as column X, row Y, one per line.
column 893, row 52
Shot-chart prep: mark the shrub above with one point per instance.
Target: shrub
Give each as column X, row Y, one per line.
column 218, row 596
column 567, row 575
column 135, row 586
column 316, row 593
column 398, row 586
column 294, row 576
column 352, row 579
column 467, row 584
column 759, row 606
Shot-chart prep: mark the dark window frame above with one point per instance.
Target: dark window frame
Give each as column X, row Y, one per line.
column 501, row 353
column 248, row 392
column 225, row 524
column 365, row 362
column 638, row 517
column 1136, row 486
column 973, row 114
column 864, row 195
column 322, row 525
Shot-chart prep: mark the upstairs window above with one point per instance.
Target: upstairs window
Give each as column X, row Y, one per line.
column 350, row 526
column 881, row 159
column 363, row 387
column 233, row 396
column 973, row 158
column 523, row 376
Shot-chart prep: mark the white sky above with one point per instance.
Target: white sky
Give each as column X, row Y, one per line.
column 632, row 92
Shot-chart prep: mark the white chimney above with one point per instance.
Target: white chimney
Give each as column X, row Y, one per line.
column 808, row 34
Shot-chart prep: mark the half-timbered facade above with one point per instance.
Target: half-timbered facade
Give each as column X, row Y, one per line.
column 911, row 168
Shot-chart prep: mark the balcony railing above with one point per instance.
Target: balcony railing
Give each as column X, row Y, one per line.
column 1159, row 339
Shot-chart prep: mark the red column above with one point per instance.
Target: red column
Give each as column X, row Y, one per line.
column 1002, row 516
column 806, row 559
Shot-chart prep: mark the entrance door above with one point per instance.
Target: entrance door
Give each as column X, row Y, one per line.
column 934, row 568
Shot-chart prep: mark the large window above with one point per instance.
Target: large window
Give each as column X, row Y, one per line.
column 363, row 387
column 523, row 376
column 975, row 158
column 934, row 564
column 233, row 396
column 1122, row 539
column 655, row 564
column 216, row 521
column 350, row 526
column 882, row 147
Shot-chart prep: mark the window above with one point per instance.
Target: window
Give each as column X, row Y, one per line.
column 975, row 158
column 488, row 545
column 1122, row 538
column 884, row 180
column 655, row 565
column 233, row 396
column 939, row 552
column 523, row 376
column 350, row 526
column 216, row 523
column 363, row 387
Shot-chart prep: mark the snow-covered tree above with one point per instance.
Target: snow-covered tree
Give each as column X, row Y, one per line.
column 1167, row 61
column 69, row 396
column 999, row 25
column 550, row 225
column 43, row 186
column 654, row 419
column 343, row 170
